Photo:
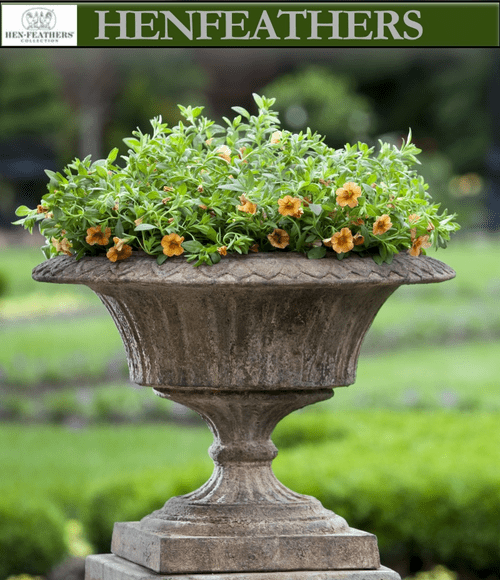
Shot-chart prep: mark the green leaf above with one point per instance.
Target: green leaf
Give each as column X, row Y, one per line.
column 132, row 143
column 315, row 208
column 161, row 258
column 51, row 175
column 389, row 257
column 119, row 231
column 192, row 246
column 241, row 111
column 317, row 253
column 377, row 258
column 113, row 155
column 258, row 100
column 23, row 210
column 215, row 257
column 101, row 172
column 144, row 227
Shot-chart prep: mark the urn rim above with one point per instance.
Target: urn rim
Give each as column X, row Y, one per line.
column 273, row 268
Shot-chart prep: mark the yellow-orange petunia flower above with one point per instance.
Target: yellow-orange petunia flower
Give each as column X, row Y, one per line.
column 224, row 152
column 382, row 224
column 63, row 246
column 348, row 194
column 41, row 209
column 246, row 205
column 222, row 250
column 342, row 241
column 279, row 238
column 120, row 251
column 254, row 248
column 95, row 235
column 276, row 137
column 172, row 245
column 418, row 244
column 290, row 206
column 327, row 242
column 413, row 218
column 358, row 239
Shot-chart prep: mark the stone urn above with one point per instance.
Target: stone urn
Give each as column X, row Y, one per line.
column 244, row 343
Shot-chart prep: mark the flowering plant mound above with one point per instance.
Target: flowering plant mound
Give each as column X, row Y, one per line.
column 204, row 191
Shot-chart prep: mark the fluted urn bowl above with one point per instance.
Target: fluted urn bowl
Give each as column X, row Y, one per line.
column 244, row 342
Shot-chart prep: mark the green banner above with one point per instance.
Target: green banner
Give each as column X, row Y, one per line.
column 267, row 24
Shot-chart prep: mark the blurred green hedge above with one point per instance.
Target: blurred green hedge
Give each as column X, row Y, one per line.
column 31, row 538
column 427, row 484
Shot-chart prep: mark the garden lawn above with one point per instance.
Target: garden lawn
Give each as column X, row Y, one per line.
column 462, row 376
column 61, row 465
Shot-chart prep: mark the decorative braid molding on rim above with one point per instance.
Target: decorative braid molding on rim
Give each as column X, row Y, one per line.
column 268, row 268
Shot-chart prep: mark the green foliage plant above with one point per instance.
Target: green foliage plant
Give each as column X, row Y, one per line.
column 206, row 190
column 31, row 538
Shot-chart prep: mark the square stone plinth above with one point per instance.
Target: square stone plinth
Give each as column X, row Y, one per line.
column 176, row 554
column 111, row 567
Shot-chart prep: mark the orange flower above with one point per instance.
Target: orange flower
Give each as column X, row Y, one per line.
column 120, row 251
column 41, row 209
column 328, row 242
column 279, row 238
column 418, row 244
column 413, row 218
column 358, row 239
column 247, row 206
column 254, row 248
column 172, row 245
column 382, row 224
column 95, row 235
column 62, row 246
column 342, row 241
column 222, row 250
column 276, row 137
column 224, row 152
column 348, row 195
column 138, row 221
column 290, row 206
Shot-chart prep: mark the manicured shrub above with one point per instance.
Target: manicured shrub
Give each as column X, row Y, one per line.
column 426, row 483
column 31, row 539
column 132, row 498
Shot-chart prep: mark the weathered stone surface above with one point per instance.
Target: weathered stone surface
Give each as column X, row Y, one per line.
column 244, row 343
column 182, row 554
column 275, row 268
column 259, row 322
column 109, row 567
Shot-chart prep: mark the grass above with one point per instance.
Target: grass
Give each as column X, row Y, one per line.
column 60, row 349
column 54, row 463
column 462, row 376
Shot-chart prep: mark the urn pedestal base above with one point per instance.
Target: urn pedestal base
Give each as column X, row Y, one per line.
column 111, row 567
column 177, row 554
